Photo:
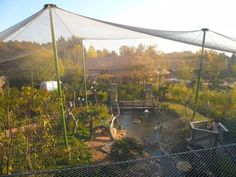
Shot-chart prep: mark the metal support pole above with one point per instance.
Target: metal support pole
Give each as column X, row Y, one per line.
column 32, row 86
column 200, row 70
column 84, row 73
column 159, row 78
column 32, row 79
column 54, row 45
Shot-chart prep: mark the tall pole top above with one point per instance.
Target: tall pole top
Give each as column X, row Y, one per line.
column 205, row 29
column 49, row 6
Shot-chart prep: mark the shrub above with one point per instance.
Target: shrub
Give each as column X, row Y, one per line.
column 126, row 149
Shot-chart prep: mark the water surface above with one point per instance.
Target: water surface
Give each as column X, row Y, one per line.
column 141, row 125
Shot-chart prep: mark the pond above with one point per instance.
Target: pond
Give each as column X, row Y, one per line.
column 144, row 126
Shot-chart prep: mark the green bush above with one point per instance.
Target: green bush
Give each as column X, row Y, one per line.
column 30, row 137
column 75, row 154
column 126, row 149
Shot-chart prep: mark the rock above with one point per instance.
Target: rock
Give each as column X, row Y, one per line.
column 165, row 126
column 107, row 148
column 134, row 153
column 214, row 126
column 145, row 154
column 156, row 128
column 184, row 166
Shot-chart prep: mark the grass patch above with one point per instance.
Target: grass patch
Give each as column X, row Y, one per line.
column 185, row 113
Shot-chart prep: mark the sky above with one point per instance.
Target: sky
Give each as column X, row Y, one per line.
column 217, row 15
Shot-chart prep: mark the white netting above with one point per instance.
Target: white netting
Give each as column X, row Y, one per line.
column 37, row 29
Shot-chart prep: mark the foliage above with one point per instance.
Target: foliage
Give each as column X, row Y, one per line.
column 41, row 65
column 183, row 112
column 75, row 154
column 217, row 105
column 91, row 52
column 180, row 93
column 22, row 136
column 30, row 133
column 73, row 73
column 126, row 149
column 95, row 115
column 130, row 91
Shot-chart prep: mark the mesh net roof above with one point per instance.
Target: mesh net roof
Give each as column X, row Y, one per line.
column 36, row 28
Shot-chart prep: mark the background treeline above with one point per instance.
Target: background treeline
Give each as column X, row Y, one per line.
column 129, row 61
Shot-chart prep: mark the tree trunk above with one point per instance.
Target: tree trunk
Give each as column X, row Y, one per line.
column 91, row 129
column 27, row 155
column 75, row 126
column 75, row 121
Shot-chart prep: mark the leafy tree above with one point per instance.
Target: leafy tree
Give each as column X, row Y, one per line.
column 102, row 53
column 73, row 76
column 91, row 52
column 126, row 51
column 41, row 65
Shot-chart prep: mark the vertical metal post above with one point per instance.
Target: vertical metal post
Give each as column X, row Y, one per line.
column 32, row 86
column 54, row 44
column 159, row 78
column 84, row 73
column 32, row 79
column 200, row 70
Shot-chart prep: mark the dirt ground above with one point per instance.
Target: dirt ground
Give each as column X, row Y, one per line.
column 100, row 141
column 95, row 148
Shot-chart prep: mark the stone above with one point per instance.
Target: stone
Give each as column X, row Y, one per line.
column 184, row 166
column 145, row 154
column 107, row 148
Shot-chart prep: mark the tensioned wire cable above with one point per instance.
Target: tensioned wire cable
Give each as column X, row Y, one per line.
column 180, row 33
column 25, row 22
column 67, row 28
column 211, row 37
column 171, row 35
column 151, row 32
column 125, row 27
column 27, row 26
column 36, row 51
column 92, row 42
column 215, row 42
column 227, row 37
column 193, row 40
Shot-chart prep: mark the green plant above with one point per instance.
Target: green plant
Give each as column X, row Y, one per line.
column 126, row 149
